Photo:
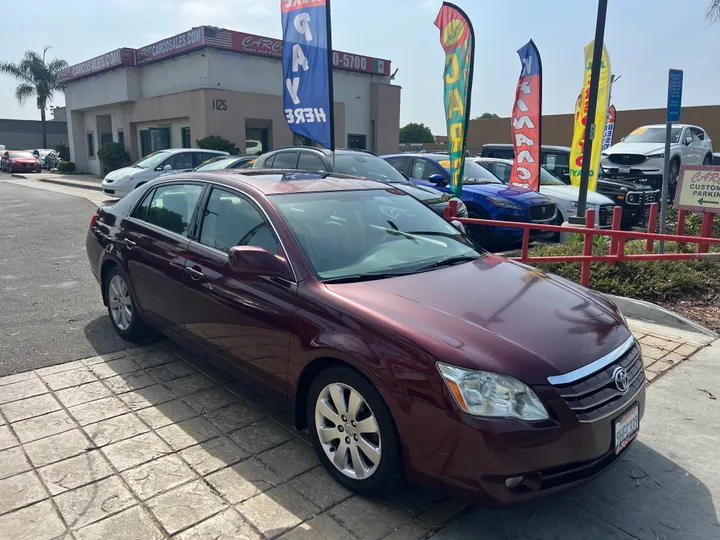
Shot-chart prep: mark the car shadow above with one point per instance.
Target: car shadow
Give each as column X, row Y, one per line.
column 102, row 337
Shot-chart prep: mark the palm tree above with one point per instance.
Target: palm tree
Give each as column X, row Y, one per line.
column 37, row 78
column 713, row 12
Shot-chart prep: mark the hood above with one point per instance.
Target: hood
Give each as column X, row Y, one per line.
column 636, row 148
column 571, row 193
column 501, row 190
column 616, row 184
column 123, row 173
column 496, row 315
column 23, row 159
column 426, row 194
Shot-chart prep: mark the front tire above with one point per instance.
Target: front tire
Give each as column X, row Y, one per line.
column 353, row 432
column 121, row 307
column 707, row 160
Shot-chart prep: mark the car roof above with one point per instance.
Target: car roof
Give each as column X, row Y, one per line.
column 487, row 159
column 322, row 150
column 178, row 150
column 275, row 182
column 674, row 125
column 546, row 147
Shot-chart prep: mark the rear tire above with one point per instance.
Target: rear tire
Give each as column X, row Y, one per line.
column 358, row 434
column 707, row 160
column 121, row 306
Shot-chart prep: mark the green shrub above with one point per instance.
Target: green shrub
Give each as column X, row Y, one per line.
column 113, row 156
column 66, row 167
column 63, row 151
column 213, row 142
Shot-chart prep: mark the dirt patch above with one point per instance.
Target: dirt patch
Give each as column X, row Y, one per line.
column 705, row 311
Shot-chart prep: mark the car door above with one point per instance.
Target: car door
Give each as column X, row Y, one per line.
column 243, row 318
column 153, row 241
column 699, row 145
column 686, row 149
column 423, row 169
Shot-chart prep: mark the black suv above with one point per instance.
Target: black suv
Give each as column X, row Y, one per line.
column 634, row 198
column 356, row 163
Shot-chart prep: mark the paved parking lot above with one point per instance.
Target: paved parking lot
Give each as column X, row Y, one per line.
column 151, row 443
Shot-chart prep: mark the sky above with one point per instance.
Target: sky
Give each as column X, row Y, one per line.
column 644, row 39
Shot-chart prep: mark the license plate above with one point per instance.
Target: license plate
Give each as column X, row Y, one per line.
column 624, row 170
column 626, row 428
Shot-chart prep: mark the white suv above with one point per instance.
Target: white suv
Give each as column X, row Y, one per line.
column 641, row 154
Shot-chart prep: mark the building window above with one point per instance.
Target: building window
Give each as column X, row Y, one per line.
column 91, row 144
column 357, row 142
column 121, row 137
column 185, row 134
column 105, row 138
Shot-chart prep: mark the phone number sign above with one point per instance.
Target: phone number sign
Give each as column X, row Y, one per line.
column 698, row 188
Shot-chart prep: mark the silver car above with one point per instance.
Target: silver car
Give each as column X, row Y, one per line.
column 121, row 182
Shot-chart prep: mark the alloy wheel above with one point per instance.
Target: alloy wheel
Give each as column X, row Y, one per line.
column 348, row 431
column 120, row 301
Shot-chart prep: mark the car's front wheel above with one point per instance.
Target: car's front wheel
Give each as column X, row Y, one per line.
column 353, row 432
column 707, row 160
column 121, row 307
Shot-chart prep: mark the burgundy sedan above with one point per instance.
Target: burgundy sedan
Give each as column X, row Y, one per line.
column 402, row 346
column 20, row 161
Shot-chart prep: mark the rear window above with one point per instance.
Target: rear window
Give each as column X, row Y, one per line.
column 21, row 155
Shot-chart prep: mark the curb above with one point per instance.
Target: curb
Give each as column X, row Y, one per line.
column 647, row 311
column 69, row 183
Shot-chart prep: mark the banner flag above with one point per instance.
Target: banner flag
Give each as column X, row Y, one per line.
column 576, row 152
column 307, row 70
column 609, row 128
column 526, row 118
column 458, row 41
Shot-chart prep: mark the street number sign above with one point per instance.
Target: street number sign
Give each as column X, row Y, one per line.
column 698, row 188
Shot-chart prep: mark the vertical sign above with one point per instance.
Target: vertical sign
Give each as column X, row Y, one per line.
column 307, row 75
column 458, row 41
column 609, row 127
column 674, row 100
column 526, row 117
column 581, row 121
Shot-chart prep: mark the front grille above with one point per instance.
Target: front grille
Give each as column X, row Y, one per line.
column 542, row 212
column 595, row 397
column 626, row 159
column 652, row 196
column 606, row 214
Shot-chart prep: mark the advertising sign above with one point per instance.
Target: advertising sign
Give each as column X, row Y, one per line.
column 187, row 41
column 526, row 116
column 581, row 120
column 307, row 73
column 698, row 188
column 674, row 101
column 104, row 62
column 458, row 41
column 609, row 127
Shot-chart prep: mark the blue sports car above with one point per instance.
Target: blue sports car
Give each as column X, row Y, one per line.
column 485, row 196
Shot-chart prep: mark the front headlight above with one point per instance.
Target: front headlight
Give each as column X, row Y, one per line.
column 573, row 204
column 655, row 156
column 481, row 393
column 502, row 202
column 461, row 209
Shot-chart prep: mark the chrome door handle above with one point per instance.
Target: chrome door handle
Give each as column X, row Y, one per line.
column 194, row 274
column 129, row 243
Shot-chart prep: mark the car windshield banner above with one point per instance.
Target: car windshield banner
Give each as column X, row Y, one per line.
column 609, row 128
column 307, row 79
column 526, row 116
column 458, row 41
column 581, row 120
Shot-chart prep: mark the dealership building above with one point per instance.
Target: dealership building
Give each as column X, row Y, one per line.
column 213, row 81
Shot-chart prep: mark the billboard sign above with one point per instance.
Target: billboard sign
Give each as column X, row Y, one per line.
column 698, row 188
column 104, row 62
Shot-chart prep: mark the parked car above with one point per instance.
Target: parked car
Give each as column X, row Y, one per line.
column 398, row 344
column 355, row 163
column 566, row 197
column 3, row 148
column 19, row 161
column 52, row 160
column 642, row 153
column 632, row 194
column 227, row 162
column 485, row 196
column 121, row 182
column 41, row 154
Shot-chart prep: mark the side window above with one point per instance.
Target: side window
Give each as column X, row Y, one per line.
column 401, row 164
column 310, row 162
column 699, row 133
column 269, row 162
column 172, row 207
column 285, row 160
column 231, row 220
column 502, row 171
column 181, row 161
column 424, row 169
column 244, row 164
column 141, row 210
column 202, row 157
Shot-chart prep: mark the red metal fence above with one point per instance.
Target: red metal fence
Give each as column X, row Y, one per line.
column 618, row 239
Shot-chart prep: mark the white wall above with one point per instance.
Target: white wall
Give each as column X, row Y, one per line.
column 110, row 87
column 176, row 75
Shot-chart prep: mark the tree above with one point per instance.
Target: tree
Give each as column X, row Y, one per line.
column 487, row 115
column 37, row 78
column 712, row 14
column 416, row 133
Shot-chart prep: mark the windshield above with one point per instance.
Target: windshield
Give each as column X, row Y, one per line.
column 349, row 234
column 549, row 179
column 216, row 164
column 21, row 155
column 367, row 166
column 151, row 161
column 652, row 135
column 473, row 173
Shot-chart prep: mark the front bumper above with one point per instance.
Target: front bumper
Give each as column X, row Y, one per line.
column 115, row 189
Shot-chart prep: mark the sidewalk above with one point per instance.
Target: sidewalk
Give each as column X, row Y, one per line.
column 86, row 181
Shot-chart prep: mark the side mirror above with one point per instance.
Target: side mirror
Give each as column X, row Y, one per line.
column 437, row 179
column 688, row 141
column 167, row 168
column 258, row 261
column 459, row 226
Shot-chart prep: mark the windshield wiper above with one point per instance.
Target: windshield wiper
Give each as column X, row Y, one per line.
column 355, row 278
column 450, row 261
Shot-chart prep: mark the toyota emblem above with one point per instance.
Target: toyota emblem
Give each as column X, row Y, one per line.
column 621, row 379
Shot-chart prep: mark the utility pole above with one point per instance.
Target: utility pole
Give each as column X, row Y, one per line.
column 590, row 133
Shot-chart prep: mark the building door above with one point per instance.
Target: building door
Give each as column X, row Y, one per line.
column 256, row 140
column 159, row 139
column 357, row 142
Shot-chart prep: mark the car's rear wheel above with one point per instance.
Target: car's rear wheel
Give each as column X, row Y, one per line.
column 121, row 307
column 707, row 160
column 353, row 432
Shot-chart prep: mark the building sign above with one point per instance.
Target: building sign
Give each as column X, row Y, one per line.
column 307, row 75
column 458, row 41
column 526, row 116
column 187, row 41
column 609, row 127
column 116, row 58
column 698, row 188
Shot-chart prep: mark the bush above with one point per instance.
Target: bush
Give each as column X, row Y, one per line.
column 66, row 167
column 213, row 142
column 113, row 156
column 63, row 151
